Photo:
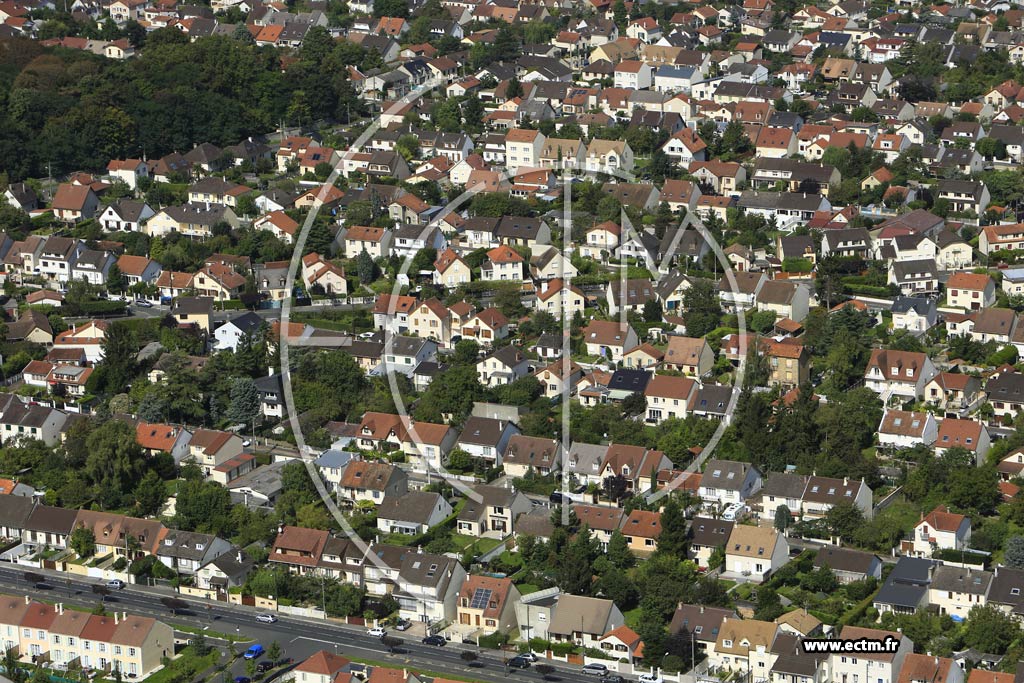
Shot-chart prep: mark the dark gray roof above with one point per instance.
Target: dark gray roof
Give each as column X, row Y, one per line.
column 713, row 399
column 703, row 622
column 629, row 380
column 186, row 545
column 415, row 507
column 1007, row 586
column 483, row 431
column 15, row 510
column 960, row 580
column 54, row 520
column 844, row 559
column 709, row 532
column 725, row 474
column 920, row 305
column 128, row 209
column 785, row 485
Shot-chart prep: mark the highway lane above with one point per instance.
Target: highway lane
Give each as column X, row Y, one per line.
column 297, row 637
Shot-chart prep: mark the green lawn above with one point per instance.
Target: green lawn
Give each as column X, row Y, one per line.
column 462, row 541
column 526, row 588
column 185, row 667
column 633, row 618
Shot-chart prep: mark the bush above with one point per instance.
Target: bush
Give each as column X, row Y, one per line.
column 563, row 649
column 494, row 641
column 539, row 645
column 120, row 564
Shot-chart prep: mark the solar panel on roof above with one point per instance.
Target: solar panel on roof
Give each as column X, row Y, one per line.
column 481, row 597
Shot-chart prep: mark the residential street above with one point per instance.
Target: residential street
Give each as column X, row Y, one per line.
column 298, row 637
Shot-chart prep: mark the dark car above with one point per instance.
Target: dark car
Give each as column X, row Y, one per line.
column 243, row 679
column 614, row 678
column 264, row 666
column 556, row 498
column 519, row 663
column 436, row 640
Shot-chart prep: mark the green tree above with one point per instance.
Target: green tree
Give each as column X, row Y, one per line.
column 1014, row 553
column 652, row 311
column 620, row 14
column 672, row 540
column 989, row 629
column 366, row 267
column 118, row 366
column 150, row 495
column 618, row 552
column 701, row 309
column 783, row 518
column 245, row 401
column 83, row 541
column 575, row 570
column 844, row 519
column 115, row 279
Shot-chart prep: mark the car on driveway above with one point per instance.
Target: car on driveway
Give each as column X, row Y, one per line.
column 377, row 632
column 595, row 669
column 403, row 625
column 254, row 651
column 435, row 640
column 266, row 618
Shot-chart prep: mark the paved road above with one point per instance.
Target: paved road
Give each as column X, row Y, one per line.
column 297, row 637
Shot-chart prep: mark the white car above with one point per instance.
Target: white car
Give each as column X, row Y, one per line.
column 651, row 678
column 247, row 443
column 377, row 632
column 266, row 618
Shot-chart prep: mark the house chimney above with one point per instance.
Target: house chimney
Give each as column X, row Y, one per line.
column 117, row 618
column 702, row 609
column 28, row 600
column 60, row 608
column 238, row 557
column 419, row 550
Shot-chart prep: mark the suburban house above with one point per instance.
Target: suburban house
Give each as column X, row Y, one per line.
column 898, row 373
column 940, row 529
column 726, row 482
column 486, row 604
column 491, row 512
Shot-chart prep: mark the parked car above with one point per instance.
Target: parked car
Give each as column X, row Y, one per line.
column 528, row 656
column 243, row 679
column 254, row 651
column 116, row 584
column 403, row 625
column 614, row 678
column 264, row 666
column 142, row 303
column 651, row 678
column 595, row 669
column 436, row 640
column 377, row 632
column 266, row 618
